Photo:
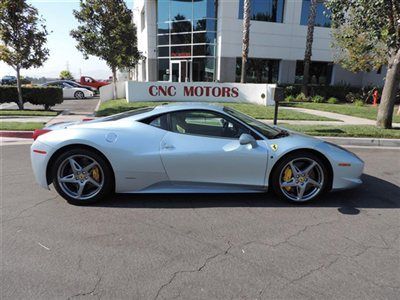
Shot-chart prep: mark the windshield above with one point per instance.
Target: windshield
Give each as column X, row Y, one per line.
column 267, row 131
column 127, row 114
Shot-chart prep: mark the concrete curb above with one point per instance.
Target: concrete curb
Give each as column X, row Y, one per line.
column 16, row 134
column 377, row 142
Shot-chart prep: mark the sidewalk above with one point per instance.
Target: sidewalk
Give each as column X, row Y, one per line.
column 343, row 119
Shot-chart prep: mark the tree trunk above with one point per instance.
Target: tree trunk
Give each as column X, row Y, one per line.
column 246, row 39
column 309, row 43
column 392, row 81
column 114, row 75
column 20, row 102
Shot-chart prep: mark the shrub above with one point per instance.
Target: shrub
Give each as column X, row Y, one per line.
column 352, row 97
column 333, row 100
column 290, row 90
column 358, row 102
column 46, row 96
column 290, row 98
column 318, row 99
column 301, row 97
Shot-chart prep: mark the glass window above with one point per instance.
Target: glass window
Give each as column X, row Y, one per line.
column 181, row 39
column 181, row 51
column 264, row 10
column 163, row 10
column 203, row 69
column 163, row 40
column 205, row 37
column 259, row 70
column 182, row 26
column 163, row 28
column 206, row 123
column 203, row 50
column 323, row 17
column 163, row 69
column 204, row 9
column 163, row 51
column 205, row 24
column 320, row 72
column 181, row 10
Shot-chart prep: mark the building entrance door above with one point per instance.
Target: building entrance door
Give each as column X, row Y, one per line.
column 181, row 71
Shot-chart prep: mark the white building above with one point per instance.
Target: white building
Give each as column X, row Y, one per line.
column 201, row 40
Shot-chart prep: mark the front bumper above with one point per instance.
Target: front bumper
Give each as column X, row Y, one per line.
column 40, row 156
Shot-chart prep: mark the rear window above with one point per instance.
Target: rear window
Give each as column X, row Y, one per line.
column 128, row 114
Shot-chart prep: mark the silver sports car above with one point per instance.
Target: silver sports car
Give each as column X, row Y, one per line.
column 187, row 148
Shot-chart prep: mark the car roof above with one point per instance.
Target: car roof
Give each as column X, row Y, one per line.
column 187, row 105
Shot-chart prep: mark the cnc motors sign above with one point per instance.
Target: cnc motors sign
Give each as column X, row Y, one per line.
column 200, row 91
column 194, row 91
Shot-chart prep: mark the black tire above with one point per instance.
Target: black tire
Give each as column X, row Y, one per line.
column 102, row 164
column 79, row 95
column 283, row 164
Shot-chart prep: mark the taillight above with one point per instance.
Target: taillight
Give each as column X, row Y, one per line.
column 87, row 119
column 39, row 132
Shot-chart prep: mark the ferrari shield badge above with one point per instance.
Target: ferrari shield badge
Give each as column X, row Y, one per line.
column 274, row 147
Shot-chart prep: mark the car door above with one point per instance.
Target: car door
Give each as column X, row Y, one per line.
column 203, row 147
column 68, row 91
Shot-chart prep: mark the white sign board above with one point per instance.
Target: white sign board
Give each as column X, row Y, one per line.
column 200, row 91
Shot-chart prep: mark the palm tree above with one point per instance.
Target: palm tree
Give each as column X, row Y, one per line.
column 309, row 41
column 246, row 38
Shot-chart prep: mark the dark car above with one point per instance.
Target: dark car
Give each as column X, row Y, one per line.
column 75, row 84
column 9, row 80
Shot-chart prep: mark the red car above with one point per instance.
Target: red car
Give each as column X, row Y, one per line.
column 89, row 81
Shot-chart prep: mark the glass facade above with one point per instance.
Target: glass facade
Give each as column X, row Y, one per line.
column 322, row 18
column 259, row 70
column 265, row 10
column 320, row 72
column 186, row 34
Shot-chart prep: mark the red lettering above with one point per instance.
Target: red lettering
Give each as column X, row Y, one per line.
column 171, row 91
column 216, row 92
column 162, row 91
column 188, row 91
column 226, row 92
column 198, row 91
column 207, row 88
column 151, row 90
column 235, row 92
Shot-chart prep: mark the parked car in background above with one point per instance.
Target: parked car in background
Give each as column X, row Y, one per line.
column 75, row 84
column 89, row 81
column 71, row 92
column 9, row 80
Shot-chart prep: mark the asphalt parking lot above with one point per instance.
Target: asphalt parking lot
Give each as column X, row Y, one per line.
column 344, row 246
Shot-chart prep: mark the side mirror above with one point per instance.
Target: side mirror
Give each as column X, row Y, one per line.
column 246, row 139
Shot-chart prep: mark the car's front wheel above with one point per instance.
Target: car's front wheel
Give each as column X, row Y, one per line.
column 82, row 176
column 300, row 177
column 79, row 95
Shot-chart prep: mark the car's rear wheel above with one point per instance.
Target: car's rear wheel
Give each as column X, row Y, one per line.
column 300, row 177
column 82, row 176
column 79, row 95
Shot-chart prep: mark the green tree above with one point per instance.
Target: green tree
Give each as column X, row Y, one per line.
column 66, row 75
column 106, row 30
column 23, row 38
column 367, row 35
column 309, row 42
column 246, row 38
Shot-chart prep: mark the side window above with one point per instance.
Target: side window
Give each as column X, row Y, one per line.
column 206, row 123
column 157, row 121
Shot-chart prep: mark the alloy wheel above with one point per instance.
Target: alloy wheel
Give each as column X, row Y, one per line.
column 80, row 177
column 301, row 179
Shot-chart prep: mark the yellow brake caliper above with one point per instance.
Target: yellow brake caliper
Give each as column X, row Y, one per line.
column 287, row 176
column 96, row 174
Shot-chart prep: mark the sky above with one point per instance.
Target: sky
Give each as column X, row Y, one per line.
column 63, row 53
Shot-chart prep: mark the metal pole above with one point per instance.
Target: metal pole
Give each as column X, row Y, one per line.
column 276, row 112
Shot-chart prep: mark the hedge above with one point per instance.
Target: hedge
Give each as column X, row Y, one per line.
column 46, row 96
column 327, row 91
